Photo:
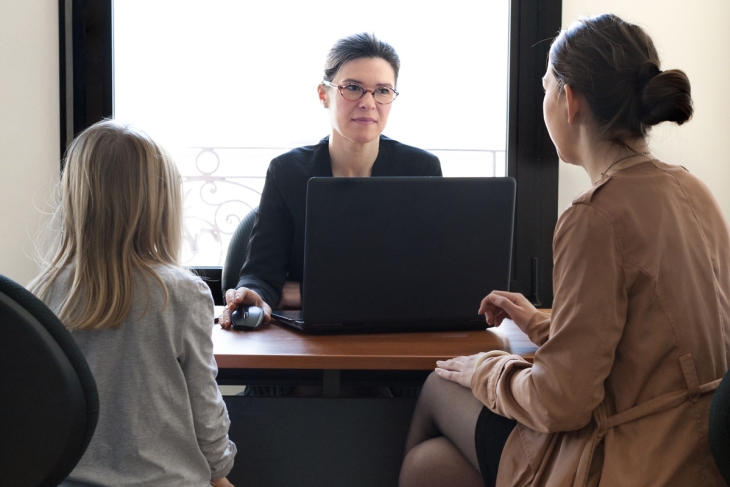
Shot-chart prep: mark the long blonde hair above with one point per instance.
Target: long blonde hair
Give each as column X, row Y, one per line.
column 120, row 213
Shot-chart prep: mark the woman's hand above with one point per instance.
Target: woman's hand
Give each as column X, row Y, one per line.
column 459, row 369
column 291, row 296
column 222, row 483
column 242, row 297
column 499, row 305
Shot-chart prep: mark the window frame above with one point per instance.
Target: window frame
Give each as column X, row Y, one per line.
column 87, row 96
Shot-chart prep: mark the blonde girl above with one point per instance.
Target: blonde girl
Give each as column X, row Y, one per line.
column 142, row 321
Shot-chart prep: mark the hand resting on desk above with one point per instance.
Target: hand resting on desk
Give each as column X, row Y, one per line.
column 242, row 297
column 497, row 306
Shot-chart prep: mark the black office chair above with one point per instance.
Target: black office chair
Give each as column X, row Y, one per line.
column 48, row 399
column 236, row 254
column 235, row 257
column 720, row 427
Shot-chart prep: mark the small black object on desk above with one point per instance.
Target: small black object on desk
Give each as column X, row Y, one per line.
column 247, row 318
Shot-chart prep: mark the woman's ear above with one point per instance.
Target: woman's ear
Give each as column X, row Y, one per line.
column 322, row 95
column 573, row 103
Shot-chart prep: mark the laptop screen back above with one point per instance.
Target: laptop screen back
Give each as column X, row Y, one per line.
column 402, row 249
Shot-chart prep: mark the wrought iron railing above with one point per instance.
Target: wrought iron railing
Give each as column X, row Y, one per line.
column 222, row 184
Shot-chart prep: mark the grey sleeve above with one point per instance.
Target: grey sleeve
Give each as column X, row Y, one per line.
column 210, row 416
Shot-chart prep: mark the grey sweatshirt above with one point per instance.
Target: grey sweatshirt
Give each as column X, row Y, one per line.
column 162, row 420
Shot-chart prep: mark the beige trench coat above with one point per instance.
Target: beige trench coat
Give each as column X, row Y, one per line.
column 620, row 389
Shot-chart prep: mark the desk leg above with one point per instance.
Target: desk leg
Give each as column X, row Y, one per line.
column 331, row 383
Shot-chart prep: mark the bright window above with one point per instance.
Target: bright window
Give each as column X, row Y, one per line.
column 228, row 85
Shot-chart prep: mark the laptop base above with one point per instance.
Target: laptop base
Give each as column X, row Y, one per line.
column 293, row 319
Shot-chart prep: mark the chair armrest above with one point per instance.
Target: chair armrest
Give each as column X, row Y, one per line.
column 211, row 275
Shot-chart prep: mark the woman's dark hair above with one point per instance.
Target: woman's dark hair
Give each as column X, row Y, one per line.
column 615, row 65
column 359, row 46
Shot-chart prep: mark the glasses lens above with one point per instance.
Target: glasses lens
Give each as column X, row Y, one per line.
column 384, row 95
column 352, row 92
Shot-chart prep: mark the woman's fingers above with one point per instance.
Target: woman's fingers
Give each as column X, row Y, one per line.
column 515, row 305
column 459, row 369
column 267, row 311
column 230, row 298
column 446, row 374
column 455, row 364
column 224, row 482
column 494, row 314
column 242, row 296
column 499, row 305
column 225, row 318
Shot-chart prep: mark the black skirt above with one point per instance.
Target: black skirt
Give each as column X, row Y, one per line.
column 490, row 436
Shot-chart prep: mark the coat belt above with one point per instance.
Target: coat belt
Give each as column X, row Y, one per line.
column 659, row 404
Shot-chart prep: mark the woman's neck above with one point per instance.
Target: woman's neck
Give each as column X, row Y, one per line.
column 605, row 158
column 352, row 159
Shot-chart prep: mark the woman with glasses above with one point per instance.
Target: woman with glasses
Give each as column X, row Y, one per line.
column 358, row 90
column 619, row 391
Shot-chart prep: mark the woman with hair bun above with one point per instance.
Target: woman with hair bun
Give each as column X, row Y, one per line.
column 619, row 391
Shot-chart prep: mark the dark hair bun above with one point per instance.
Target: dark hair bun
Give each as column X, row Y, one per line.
column 615, row 65
column 666, row 97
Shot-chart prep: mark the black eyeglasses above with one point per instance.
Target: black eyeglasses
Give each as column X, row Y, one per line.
column 383, row 95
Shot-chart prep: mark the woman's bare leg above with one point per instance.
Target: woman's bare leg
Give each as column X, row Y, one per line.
column 440, row 447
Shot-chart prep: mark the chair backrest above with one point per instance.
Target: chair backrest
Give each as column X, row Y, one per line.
column 720, row 427
column 237, row 252
column 49, row 404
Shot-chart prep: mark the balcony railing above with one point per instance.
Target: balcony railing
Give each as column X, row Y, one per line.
column 222, row 184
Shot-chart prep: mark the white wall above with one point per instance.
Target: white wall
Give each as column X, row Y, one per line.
column 691, row 36
column 29, row 127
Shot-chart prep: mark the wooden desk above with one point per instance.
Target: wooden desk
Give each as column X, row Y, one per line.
column 280, row 347
column 331, row 439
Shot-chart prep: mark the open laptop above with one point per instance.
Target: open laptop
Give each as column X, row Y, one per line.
column 403, row 253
